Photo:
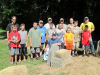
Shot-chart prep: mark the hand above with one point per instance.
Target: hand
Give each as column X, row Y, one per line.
column 26, row 45
column 53, row 44
column 8, row 42
column 19, row 46
column 40, row 44
column 45, row 49
column 13, row 41
column 45, row 40
column 31, row 45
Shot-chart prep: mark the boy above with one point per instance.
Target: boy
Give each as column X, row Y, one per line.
column 23, row 43
column 86, row 35
column 14, row 38
column 69, row 39
column 77, row 37
column 35, row 40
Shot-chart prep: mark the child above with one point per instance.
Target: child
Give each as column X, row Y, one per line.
column 77, row 37
column 14, row 38
column 69, row 39
column 23, row 43
column 86, row 35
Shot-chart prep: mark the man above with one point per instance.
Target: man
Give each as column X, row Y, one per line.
column 43, row 34
column 47, row 25
column 53, row 41
column 35, row 40
column 9, row 30
column 71, row 25
column 62, row 23
column 91, row 29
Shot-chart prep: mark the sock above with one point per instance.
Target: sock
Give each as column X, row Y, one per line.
column 31, row 57
column 84, row 53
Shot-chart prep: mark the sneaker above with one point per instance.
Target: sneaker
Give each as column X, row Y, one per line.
column 16, row 63
column 73, row 55
column 87, row 55
column 37, row 58
column 76, row 54
column 94, row 54
column 31, row 59
column 83, row 55
column 12, row 63
column 44, row 60
column 24, row 60
column 19, row 60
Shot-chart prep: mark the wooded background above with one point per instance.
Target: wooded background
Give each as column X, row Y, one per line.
column 28, row 11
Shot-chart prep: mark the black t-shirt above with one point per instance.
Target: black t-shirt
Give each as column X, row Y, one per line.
column 9, row 27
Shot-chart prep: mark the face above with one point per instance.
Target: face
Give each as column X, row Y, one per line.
column 22, row 27
column 51, row 25
column 86, row 28
column 76, row 24
column 40, row 24
column 71, row 21
column 14, row 29
column 61, row 21
column 54, row 37
column 49, row 21
column 86, row 21
column 13, row 19
column 68, row 30
column 60, row 26
column 35, row 25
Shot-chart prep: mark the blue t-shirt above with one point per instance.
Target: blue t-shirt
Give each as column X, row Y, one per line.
column 43, row 33
column 51, row 41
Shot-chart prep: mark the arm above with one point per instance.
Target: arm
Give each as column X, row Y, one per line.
column 57, row 44
column 73, row 41
column 46, row 47
column 30, row 42
column 26, row 38
column 40, row 41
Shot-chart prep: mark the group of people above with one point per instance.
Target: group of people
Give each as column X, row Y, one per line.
column 65, row 36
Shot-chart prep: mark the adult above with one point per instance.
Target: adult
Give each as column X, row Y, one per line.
column 35, row 41
column 91, row 28
column 43, row 34
column 53, row 41
column 60, row 33
column 62, row 23
column 8, row 29
column 47, row 25
column 71, row 25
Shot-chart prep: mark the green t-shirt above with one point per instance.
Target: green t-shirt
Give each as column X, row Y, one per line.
column 34, row 34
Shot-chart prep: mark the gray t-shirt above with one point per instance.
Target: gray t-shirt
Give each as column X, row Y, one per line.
column 64, row 26
column 34, row 34
column 47, row 26
column 49, row 33
column 23, row 36
column 60, row 34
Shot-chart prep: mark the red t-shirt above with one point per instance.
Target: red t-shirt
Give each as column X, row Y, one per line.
column 86, row 35
column 14, row 36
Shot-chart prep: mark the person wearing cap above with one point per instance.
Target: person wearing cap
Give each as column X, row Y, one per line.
column 71, row 25
column 91, row 28
column 62, row 23
column 43, row 34
column 47, row 25
column 53, row 41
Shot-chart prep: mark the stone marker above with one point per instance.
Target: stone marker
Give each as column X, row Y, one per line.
column 61, row 58
column 14, row 70
column 51, row 52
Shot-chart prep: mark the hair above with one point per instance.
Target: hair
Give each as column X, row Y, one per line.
column 86, row 26
column 68, row 28
column 76, row 21
column 34, row 22
column 51, row 23
column 13, row 17
column 22, row 24
column 13, row 26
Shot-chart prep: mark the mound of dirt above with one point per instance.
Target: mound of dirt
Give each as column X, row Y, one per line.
column 14, row 70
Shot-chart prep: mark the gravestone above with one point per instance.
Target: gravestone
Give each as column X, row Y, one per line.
column 14, row 70
column 61, row 58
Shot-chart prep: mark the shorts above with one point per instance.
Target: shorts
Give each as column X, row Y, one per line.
column 35, row 49
column 14, row 51
column 85, row 47
column 76, row 45
column 63, row 46
column 22, row 50
column 69, row 46
column 9, row 48
column 41, row 47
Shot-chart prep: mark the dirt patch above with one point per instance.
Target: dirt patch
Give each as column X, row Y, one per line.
column 80, row 66
column 14, row 70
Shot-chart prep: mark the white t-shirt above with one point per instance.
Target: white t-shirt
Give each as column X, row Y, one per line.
column 47, row 26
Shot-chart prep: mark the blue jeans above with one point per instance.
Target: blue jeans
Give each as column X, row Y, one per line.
column 46, row 55
column 92, row 46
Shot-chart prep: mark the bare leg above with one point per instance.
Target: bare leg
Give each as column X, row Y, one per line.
column 9, row 56
column 15, row 58
column 24, row 57
column 12, row 59
column 70, row 52
column 31, row 55
column 19, row 57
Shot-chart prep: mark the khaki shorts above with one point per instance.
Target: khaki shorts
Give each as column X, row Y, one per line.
column 35, row 50
column 76, row 45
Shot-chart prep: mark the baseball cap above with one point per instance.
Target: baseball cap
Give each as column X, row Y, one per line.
column 40, row 21
column 49, row 18
column 54, row 34
column 86, row 18
column 61, row 19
